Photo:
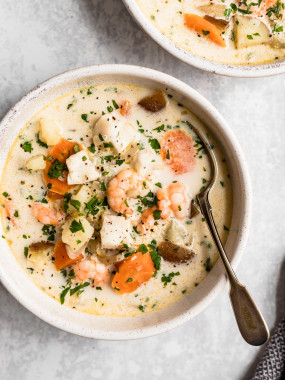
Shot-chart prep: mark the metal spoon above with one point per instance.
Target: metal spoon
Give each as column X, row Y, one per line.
column 251, row 324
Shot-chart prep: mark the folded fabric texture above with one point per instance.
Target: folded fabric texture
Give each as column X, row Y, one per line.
column 272, row 363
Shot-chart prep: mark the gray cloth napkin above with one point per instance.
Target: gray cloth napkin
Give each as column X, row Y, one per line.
column 272, row 364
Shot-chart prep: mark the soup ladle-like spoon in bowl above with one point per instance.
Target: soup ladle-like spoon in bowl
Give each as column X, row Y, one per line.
column 251, row 324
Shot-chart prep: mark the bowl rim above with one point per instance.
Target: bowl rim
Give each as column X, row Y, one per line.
column 182, row 88
column 238, row 71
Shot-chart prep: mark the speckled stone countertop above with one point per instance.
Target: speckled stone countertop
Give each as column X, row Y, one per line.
column 41, row 38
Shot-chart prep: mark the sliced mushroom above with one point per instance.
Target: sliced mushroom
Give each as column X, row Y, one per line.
column 53, row 197
column 41, row 246
column 155, row 102
column 175, row 253
column 194, row 211
column 219, row 23
column 40, row 252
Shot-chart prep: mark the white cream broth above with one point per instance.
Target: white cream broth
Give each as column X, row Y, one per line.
column 169, row 18
column 22, row 188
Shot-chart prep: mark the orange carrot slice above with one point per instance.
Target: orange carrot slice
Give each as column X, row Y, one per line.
column 178, row 151
column 125, row 108
column 205, row 28
column 133, row 272
column 61, row 257
column 60, row 152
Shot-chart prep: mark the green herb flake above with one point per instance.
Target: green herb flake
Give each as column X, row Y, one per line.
column 84, row 117
column 27, row 147
column 76, row 226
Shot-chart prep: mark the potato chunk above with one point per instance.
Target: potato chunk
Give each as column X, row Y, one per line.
column 249, row 31
column 36, row 163
column 115, row 231
column 50, row 131
column 76, row 232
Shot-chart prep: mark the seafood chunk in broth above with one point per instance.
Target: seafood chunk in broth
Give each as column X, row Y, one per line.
column 98, row 200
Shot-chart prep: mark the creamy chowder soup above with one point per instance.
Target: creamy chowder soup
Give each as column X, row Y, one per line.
column 98, row 200
column 225, row 31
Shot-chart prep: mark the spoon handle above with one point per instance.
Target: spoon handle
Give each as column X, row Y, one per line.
column 251, row 324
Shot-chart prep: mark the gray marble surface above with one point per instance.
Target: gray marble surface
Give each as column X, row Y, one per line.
column 41, row 38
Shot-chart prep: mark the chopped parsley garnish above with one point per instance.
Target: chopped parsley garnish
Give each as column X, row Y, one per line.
column 79, row 288
column 56, row 169
column 158, row 184
column 108, row 145
column 76, row 148
column 208, row 264
column 156, row 214
column 92, row 207
column 27, row 147
column 50, row 231
column 75, row 203
column 141, row 307
column 76, row 226
column 66, row 199
column 154, row 143
column 63, row 294
column 149, row 200
column 168, row 155
column 168, row 278
column 84, row 117
column 26, row 251
column 115, row 104
column 120, row 162
column 5, row 194
column 143, row 249
column 91, row 148
column 102, row 186
column 155, row 256
column 160, row 128
column 41, row 143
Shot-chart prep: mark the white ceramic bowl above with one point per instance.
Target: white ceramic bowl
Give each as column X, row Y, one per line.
column 46, row 308
column 274, row 68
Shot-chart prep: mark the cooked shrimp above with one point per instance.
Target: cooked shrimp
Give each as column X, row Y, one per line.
column 125, row 108
column 47, row 215
column 163, row 203
column 147, row 220
column 126, row 183
column 178, row 198
column 173, row 198
column 89, row 269
column 263, row 8
column 10, row 211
